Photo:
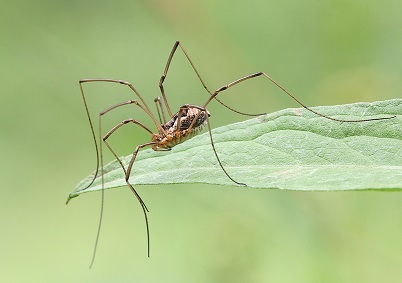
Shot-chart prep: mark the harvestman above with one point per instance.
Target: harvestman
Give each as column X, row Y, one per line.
column 181, row 126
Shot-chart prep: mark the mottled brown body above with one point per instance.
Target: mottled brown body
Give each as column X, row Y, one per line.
column 178, row 129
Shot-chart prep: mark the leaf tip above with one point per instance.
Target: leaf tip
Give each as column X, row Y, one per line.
column 70, row 196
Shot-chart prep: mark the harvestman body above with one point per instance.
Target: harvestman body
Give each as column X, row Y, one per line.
column 185, row 124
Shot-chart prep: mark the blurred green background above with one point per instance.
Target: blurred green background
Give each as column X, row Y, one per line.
column 327, row 52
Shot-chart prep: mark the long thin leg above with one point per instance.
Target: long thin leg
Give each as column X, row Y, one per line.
column 110, row 132
column 163, row 77
column 217, row 157
column 115, row 128
column 159, row 109
column 99, row 155
column 97, row 168
column 128, row 170
column 144, row 107
column 122, row 166
column 210, row 135
column 143, row 104
column 225, row 87
column 92, row 132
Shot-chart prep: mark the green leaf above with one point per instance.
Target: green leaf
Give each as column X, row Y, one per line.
column 292, row 149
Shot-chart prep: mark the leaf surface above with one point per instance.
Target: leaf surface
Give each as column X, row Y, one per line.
column 292, row 149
